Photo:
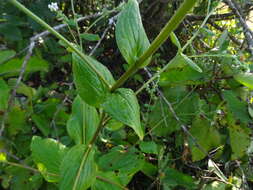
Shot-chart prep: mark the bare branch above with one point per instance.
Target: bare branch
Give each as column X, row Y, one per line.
column 14, row 90
column 247, row 31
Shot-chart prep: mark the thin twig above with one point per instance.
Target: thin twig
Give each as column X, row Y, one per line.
column 246, row 30
column 183, row 127
column 111, row 21
column 14, row 90
column 45, row 33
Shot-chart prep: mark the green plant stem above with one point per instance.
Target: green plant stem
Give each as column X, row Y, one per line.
column 26, row 167
column 76, row 23
column 59, row 36
column 159, row 40
column 88, row 150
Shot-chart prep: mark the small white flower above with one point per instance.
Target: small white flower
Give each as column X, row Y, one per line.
column 53, row 7
column 218, row 112
column 41, row 41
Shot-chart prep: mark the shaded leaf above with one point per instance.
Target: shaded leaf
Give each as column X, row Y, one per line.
column 6, row 54
column 90, row 88
column 4, row 95
column 239, row 141
column 236, row 106
column 149, row 147
column 174, row 178
column 105, row 184
column 126, row 161
column 131, row 38
column 123, row 106
column 16, row 120
column 42, row 123
column 206, row 135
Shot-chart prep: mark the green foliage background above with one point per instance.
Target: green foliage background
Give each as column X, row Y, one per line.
column 190, row 128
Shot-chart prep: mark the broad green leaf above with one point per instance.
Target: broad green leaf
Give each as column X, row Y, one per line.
column 131, row 38
column 12, row 67
column 239, row 141
column 162, row 121
column 149, row 147
column 83, row 122
column 245, row 78
column 90, row 37
column 48, row 155
column 4, row 95
column 237, row 107
column 76, row 172
column 5, row 55
column 189, row 62
column 103, row 182
column 175, row 40
column 206, row 136
column 174, row 178
column 90, row 88
column 123, row 106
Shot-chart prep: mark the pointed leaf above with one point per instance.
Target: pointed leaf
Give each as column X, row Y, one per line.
column 83, row 122
column 90, row 88
column 123, row 106
column 245, row 78
column 191, row 63
column 48, row 154
column 130, row 34
column 175, row 40
column 77, row 173
column 90, row 37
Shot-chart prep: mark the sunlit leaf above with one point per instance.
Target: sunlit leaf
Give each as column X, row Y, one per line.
column 48, row 155
column 122, row 105
column 78, row 169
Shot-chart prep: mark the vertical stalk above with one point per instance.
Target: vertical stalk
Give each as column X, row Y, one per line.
column 59, row 36
column 159, row 40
